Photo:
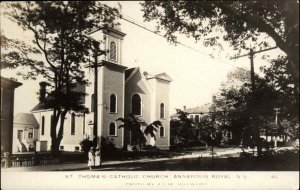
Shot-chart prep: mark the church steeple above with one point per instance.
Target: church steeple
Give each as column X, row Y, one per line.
column 113, row 38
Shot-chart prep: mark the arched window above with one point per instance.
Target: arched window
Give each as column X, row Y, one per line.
column 162, row 132
column 112, row 129
column 162, row 111
column 113, row 104
column 113, row 51
column 73, row 124
column 43, row 126
column 136, row 105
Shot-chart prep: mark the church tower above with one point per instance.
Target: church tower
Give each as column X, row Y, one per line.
column 112, row 40
column 110, row 87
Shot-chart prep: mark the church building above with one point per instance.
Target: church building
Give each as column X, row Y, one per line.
column 120, row 91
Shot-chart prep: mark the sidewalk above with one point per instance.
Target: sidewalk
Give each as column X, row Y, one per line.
column 83, row 166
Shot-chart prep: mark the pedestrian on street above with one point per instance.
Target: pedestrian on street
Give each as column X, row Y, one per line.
column 91, row 162
column 97, row 157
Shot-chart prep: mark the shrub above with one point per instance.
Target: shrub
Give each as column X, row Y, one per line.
column 108, row 147
column 151, row 148
column 86, row 145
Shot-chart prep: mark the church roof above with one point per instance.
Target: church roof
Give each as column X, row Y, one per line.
column 8, row 83
column 25, row 119
column 131, row 72
column 128, row 72
column 163, row 76
column 40, row 106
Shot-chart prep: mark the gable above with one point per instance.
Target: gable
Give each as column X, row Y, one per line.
column 164, row 76
column 134, row 77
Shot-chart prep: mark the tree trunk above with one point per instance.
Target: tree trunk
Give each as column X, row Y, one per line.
column 56, row 138
column 55, row 143
column 258, row 142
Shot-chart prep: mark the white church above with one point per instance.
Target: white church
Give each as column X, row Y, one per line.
column 121, row 91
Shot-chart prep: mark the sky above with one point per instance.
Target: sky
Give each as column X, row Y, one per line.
column 196, row 76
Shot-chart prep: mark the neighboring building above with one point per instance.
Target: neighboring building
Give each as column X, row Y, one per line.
column 7, row 110
column 198, row 113
column 195, row 113
column 120, row 91
column 25, row 132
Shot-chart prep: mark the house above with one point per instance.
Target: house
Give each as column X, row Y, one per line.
column 25, row 132
column 198, row 113
column 120, row 91
column 7, row 110
column 195, row 113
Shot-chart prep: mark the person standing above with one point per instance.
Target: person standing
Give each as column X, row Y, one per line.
column 97, row 157
column 91, row 162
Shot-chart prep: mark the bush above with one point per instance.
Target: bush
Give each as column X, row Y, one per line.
column 150, row 148
column 86, row 145
column 108, row 147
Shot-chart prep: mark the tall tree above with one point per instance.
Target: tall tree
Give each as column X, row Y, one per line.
column 238, row 22
column 233, row 105
column 60, row 32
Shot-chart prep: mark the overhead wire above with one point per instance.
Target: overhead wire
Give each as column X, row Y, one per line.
column 131, row 20
column 134, row 22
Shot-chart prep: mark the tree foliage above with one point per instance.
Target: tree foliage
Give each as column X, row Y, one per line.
column 234, row 105
column 133, row 123
column 238, row 22
column 182, row 130
column 60, row 31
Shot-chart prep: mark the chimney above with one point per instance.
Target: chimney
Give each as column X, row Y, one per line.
column 184, row 107
column 42, row 91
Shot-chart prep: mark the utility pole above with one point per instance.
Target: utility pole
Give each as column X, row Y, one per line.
column 251, row 56
column 253, row 87
column 96, row 53
column 97, row 137
column 95, row 129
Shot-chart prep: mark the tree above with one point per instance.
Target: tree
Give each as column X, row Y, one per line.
column 207, row 130
column 238, row 22
column 132, row 123
column 60, row 32
column 230, row 105
column 277, row 75
column 182, row 130
column 234, row 105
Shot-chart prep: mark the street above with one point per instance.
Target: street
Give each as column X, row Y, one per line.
column 140, row 164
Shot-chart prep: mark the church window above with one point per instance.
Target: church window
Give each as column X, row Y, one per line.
column 73, row 124
column 113, row 51
column 162, row 111
column 113, row 104
column 162, row 132
column 112, row 129
column 43, row 126
column 136, row 105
